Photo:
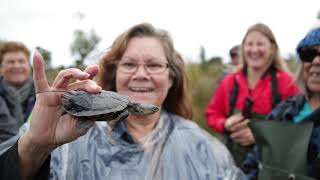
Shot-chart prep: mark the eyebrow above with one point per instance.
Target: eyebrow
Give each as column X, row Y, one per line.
column 146, row 60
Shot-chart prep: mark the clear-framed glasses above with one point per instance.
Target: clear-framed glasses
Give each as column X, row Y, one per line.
column 151, row 67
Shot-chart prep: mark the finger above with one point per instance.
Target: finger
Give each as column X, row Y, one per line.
column 39, row 75
column 93, row 70
column 239, row 125
column 238, row 134
column 64, row 76
column 244, row 142
column 87, row 85
column 243, row 137
column 247, row 140
column 232, row 120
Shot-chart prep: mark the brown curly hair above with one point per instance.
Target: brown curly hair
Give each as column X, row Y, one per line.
column 178, row 100
column 12, row 46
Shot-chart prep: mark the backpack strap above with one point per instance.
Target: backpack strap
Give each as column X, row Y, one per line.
column 276, row 98
column 233, row 96
column 275, row 92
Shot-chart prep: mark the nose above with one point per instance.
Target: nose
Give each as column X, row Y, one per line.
column 316, row 60
column 141, row 71
column 15, row 64
column 254, row 48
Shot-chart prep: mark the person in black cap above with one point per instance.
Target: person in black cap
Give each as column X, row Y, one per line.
column 234, row 56
column 289, row 145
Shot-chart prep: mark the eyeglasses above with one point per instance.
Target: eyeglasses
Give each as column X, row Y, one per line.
column 308, row 54
column 131, row 67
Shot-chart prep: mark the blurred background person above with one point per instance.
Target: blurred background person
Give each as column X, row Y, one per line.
column 235, row 56
column 17, row 95
column 251, row 91
column 289, row 145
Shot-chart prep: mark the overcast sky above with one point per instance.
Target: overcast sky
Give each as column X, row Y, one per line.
column 215, row 24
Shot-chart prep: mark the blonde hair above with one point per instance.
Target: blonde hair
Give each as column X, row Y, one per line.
column 277, row 61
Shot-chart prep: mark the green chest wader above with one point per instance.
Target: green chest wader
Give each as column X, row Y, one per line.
column 283, row 147
column 238, row 151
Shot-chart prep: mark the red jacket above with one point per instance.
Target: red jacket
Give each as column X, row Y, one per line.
column 219, row 106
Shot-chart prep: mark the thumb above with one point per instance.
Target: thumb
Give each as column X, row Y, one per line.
column 39, row 76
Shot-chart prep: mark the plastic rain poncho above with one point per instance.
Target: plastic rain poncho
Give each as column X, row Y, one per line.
column 176, row 149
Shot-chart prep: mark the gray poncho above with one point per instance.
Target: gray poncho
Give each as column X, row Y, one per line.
column 177, row 149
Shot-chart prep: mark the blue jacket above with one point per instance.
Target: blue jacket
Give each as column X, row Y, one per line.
column 286, row 111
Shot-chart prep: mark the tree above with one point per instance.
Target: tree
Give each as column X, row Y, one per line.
column 215, row 60
column 46, row 54
column 203, row 58
column 51, row 72
column 82, row 45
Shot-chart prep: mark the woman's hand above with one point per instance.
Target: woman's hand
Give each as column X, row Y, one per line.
column 239, row 130
column 50, row 126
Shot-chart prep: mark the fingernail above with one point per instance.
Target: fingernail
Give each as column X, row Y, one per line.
column 33, row 51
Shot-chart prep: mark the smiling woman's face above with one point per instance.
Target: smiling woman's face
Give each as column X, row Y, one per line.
column 311, row 73
column 140, row 85
column 15, row 68
column 258, row 51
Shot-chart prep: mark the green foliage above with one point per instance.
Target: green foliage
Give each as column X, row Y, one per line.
column 203, row 84
column 215, row 61
column 292, row 62
column 203, row 58
column 83, row 44
column 51, row 72
column 46, row 54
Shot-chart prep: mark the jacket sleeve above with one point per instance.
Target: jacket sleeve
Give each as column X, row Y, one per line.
column 10, row 168
column 251, row 164
column 217, row 111
column 8, row 124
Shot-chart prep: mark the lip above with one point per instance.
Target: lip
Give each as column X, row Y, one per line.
column 314, row 70
column 254, row 57
column 140, row 89
column 314, row 77
column 17, row 71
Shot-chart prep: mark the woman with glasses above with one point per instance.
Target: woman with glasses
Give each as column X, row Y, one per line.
column 143, row 65
column 289, row 145
column 250, row 92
